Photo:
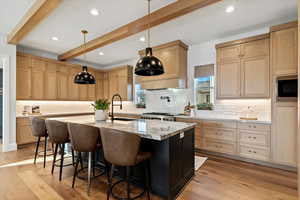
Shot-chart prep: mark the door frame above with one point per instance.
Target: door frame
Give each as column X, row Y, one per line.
column 9, row 117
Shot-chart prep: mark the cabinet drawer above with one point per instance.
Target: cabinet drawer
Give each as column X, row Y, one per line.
column 24, row 121
column 255, row 138
column 255, row 152
column 254, row 126
column 221, row 134
column 219, row 124
column 219, row 146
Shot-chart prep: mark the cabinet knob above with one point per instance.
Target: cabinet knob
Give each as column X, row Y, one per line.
column 250, row 151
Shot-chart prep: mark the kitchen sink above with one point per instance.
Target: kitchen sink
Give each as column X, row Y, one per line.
column 124, row 119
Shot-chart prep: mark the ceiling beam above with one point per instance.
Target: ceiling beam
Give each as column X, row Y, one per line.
column 162, row 15
column 38, row 11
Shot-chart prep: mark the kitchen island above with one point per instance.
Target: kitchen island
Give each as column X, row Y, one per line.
column 171, row 144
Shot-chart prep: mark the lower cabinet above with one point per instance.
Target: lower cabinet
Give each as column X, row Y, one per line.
column 285, row 134
column 24, row 131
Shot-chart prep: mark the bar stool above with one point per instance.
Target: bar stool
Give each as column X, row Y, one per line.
column 39, row 130
column 84, row 139
column 58, row 133
column 123, row 149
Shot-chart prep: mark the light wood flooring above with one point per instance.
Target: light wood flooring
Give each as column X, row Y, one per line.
column 217, row 179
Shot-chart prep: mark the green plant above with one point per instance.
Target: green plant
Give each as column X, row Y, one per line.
column 204, row 106
column 101, row 104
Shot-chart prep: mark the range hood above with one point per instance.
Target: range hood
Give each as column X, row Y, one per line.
column 163, row 84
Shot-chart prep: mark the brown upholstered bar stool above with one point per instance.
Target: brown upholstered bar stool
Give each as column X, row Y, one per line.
column 123, row 149
column 84, row 139
column 59, row 135
column 39, row 130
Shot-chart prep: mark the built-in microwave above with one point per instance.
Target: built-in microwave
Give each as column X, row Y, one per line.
column 287, row 88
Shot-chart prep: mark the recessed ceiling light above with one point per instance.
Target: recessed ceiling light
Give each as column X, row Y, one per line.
column 101, row 53
column 94, row 12
column 143, row 39
column 54, row 38
column 230, row 9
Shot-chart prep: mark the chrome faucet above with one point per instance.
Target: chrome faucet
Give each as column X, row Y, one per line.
column 112, row 105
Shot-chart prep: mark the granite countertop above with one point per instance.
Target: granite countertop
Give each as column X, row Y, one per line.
column 151, row 129
column 55, row 114
column 215, row 118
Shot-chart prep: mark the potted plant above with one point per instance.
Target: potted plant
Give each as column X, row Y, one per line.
column 101, row 106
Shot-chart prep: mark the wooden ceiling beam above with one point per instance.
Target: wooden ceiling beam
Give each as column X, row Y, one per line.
column 38, row 11
column 162, row 15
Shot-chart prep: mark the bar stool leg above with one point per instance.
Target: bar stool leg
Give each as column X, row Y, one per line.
column 75, row 172
column 45, row 151
column 73, row 157
column 61, row 161
column 80, row 159
column 54, row 158
column 128, row 181
column 89, row 172
column 110, row 181
column 37, row 149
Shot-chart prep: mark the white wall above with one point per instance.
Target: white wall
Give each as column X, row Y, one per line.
column 9, row 101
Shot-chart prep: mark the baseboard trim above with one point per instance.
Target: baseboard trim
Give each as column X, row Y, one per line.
column 10, row 147
column 248, row 160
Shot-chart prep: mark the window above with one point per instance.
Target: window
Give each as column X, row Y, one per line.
column 140, row 99
column 204, row 86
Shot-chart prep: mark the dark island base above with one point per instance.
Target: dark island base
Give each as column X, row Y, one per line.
column 171, row 165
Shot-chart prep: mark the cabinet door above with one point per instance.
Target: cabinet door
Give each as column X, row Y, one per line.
column 255, row 49
column 99, row 89
column 229, row 80
column 63, row 82
column 285, row 135
column 106, row 89
column 285, row 51
column 50, row 92
column 83, row 92
column 123, row 88
column 73, row 88
column 38, row 79
column 23, row 77
column 113, row 83
column 229, row 54
column 256, row 77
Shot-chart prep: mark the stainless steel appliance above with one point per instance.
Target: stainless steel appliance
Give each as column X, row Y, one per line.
column 287, row 88
column 158, row 116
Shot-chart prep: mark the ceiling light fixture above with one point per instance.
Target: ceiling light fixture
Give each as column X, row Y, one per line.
column 230, row 9
column 101, row 53
column 84, row 77
column 94, row 12
column 142, row 39
column 55, row 38
column 149, row 65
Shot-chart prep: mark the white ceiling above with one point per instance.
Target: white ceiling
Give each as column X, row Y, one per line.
column 199, row 26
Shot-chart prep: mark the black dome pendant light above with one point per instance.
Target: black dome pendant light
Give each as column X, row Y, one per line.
column 149, row 65
column 84, row 77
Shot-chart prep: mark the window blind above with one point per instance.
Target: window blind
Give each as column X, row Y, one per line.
column 204, row 70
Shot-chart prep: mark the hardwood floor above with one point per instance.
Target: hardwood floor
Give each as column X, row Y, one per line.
column 217, row 179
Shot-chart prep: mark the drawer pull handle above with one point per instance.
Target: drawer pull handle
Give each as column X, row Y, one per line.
column 250, row 137
column 250, row 151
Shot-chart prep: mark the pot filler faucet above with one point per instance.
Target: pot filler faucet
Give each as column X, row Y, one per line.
column 113, row 105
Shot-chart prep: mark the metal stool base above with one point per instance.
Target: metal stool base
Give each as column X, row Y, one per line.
column 124, row 198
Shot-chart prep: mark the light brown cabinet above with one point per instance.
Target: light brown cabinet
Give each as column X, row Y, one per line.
column 24, row 131
column 51, row 81
column 173, row 55
column 285, row 134
column 45, row 79
column 285, row 51
column 120, row 82
column 243, row 69
column 62, row 83
column 23, row 77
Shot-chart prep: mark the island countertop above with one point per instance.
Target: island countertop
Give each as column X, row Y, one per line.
column 151, row 129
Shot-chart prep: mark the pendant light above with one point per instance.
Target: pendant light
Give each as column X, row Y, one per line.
column 149, row 65
column 84, row 77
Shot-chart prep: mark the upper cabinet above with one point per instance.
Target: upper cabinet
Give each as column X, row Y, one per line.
column 173, row 55
column 121, row 82
column 243, row 69
column 45, row 79
column 284, row 41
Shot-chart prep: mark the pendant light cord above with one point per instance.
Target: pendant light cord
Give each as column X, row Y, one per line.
column 84, row 32
column 149, row 23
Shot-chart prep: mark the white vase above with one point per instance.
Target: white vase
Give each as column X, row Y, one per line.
column 100, row 115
